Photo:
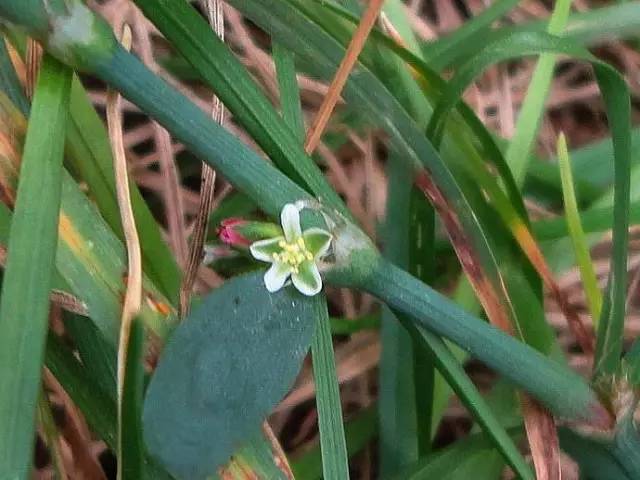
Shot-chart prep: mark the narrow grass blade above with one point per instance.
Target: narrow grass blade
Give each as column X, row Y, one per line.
column 587, row 272
column 190, row 34
column 9, row 82
column 398, row 445
column 359, row 431
column 24, row 304
column 593, row 220
column 407, row 374
column 131, row 442
column 289, row 93
column 472, row 31
column 453, row 372
column 335, row 463
column 517, row 155
column 589, row 28
column 88, row 154
column 616, row 97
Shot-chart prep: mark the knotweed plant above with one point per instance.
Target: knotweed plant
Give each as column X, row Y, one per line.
column 218, row 372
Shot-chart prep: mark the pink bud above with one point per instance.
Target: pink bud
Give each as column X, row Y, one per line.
column 229, row 234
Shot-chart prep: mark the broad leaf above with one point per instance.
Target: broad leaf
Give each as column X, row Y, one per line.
column 222, row 371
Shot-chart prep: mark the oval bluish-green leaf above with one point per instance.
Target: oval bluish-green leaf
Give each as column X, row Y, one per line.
column 222, row 371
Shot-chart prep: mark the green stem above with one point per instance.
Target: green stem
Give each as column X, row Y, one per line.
column 561, row 390
column 207, row 140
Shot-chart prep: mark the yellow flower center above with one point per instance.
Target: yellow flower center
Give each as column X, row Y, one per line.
column 293, row 253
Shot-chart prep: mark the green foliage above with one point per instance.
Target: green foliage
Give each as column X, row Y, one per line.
column 223, row 369
column 30, row 263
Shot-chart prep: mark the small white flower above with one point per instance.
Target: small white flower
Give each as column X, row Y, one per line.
column 294, row 254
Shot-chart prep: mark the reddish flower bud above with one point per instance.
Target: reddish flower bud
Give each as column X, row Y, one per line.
column 229, row 234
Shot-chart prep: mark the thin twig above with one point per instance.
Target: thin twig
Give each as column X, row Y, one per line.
column 171, row 199
column 348, row 62
column 215, row 14
column 133, row 294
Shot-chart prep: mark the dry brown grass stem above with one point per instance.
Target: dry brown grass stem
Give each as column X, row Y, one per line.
column 133, row 293
column 215, row 14
column 340, row 79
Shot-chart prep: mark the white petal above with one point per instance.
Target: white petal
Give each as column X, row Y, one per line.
column 263, row 250
column 290, row 220
column 276, row 276
column 317, row 241
column 307, row 280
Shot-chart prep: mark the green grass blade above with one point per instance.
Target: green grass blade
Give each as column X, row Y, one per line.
column 589, row 28
column 472, row 31
column 131, row 461
column 335, row 463
column 96, row 354
column 466, row 391
column 359, row 431
column 398, row 444
column 219, row 68
column 558, row 388
column 593, row 220
column 615, row 94
column 517, row 155
column 89, row 153
column 24, row 304
column 587, row 272
column 289, row 93
column 463, row 459
column 406, row 370
column 9, row 82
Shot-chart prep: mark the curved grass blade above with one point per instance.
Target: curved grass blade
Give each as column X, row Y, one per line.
column 190, row 34
column 372, row 98
column 24, row 304
column 588, row 28
column 616, row 97
column 517, row 156
column 472, row 31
